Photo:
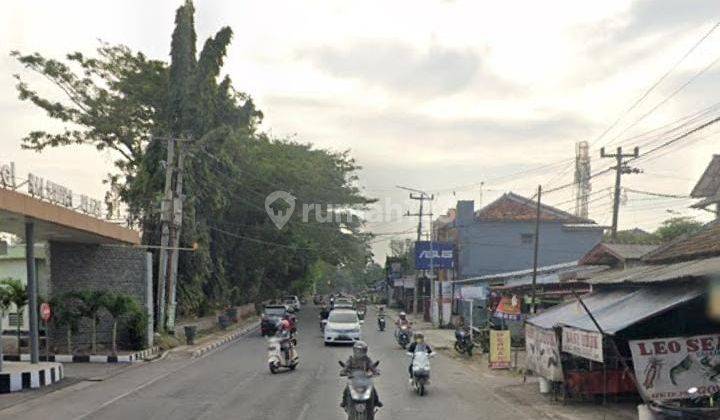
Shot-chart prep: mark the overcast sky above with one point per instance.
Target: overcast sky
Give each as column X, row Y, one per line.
column 437, row 95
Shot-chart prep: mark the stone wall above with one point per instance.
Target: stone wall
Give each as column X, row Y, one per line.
column 77, row 267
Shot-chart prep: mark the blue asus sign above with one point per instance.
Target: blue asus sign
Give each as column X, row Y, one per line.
column 440, row 255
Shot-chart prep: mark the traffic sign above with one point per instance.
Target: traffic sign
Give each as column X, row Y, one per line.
column 45, row 311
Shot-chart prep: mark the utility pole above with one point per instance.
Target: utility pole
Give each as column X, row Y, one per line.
column 165, row 209
column 177, row 216
column 535, row 251
column 621, row 168
column 171, row 219
column 422, row 197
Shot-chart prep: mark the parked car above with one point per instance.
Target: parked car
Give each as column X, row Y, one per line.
column 271, row 316
column 343, row 326
column 293, row 302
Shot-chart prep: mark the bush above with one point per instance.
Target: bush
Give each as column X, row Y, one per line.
column 135, row 330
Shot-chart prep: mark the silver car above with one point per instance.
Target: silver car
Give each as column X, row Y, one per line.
column 343, row 326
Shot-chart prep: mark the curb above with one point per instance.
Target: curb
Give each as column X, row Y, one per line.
column 69, row 358
column 225, row 340
column 30, row 379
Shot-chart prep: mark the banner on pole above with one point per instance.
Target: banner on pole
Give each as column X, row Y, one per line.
column 429, row 255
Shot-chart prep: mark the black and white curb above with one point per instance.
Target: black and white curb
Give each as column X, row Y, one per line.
column 30, row 378
column 68, row 358
column 225, row 340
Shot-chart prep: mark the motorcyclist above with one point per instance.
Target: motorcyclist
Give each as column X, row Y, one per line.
column 324, row 312
column 285, row 335
column 359, row 361
column 402, row 320
column 418, row 345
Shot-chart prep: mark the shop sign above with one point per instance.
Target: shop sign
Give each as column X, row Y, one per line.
column 542, row 352
column 499, row 349
column 509, row 308
column 666, row 368
column 582, row 343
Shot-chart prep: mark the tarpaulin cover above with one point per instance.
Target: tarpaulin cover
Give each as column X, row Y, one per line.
column 616, row 310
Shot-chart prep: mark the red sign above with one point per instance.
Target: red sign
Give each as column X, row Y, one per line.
column 45, row 311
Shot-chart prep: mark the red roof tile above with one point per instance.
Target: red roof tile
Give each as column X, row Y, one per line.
column 515, row 208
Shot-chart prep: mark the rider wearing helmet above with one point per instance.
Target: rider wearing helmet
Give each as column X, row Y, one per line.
column 418, row 345
column 359, row 361
column 284, row 331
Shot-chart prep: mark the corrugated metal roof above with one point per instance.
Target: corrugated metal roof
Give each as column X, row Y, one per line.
column 660, row 272
column 516, row 274
column 606, row 253
column 618, row 309
column 630, row 251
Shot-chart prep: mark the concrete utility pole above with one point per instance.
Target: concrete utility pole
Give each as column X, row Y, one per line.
column 422, row 197
column 535, row 251
column 620, row 169
column 171, row 220
column 177, row 216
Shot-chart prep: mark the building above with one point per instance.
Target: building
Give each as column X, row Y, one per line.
column 708, row 188
column 500, row 237
column 617, row 255
column 13, row 266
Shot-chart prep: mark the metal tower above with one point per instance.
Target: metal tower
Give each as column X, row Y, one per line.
column 582, row 178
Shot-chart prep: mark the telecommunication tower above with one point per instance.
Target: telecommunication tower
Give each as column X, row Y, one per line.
column 582, row 178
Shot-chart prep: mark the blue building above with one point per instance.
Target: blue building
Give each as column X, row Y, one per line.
column 500, row 237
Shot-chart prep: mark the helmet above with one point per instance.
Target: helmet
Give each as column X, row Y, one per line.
column 360, row 349
column 285, row 325
column 402, row 315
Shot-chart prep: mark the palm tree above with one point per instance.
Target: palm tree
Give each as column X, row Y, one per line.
column 4, row 305
column 118, row 305
column 90, row 305
column 17, row 294
column 67, row 314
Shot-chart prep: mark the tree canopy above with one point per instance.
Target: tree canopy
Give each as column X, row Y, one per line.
column 121, row 100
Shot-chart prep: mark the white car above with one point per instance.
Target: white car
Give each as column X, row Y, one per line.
column 293, row 302
column 343, row 326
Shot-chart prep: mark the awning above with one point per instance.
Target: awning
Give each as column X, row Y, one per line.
column 618, row 309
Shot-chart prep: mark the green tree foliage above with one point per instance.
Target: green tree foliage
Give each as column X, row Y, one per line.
column 5, row 302
column 676, row 227
column 66, row 314
column 18, row 295
column 120, row 99
column 90, row 302
column 118, row 305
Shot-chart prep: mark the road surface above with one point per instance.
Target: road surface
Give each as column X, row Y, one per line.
column 235, row 383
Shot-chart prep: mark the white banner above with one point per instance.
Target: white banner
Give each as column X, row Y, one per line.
column 582, row 343
column 666, row 368
column 542, row 352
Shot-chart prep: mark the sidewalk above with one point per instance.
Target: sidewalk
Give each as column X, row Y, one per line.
column 512, row 386
column 214, row 339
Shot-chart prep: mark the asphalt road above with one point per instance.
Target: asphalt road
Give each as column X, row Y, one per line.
column 235, row 383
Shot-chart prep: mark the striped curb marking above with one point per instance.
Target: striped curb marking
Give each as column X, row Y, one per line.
column 225, row 340
column 67, row 358
column 30, row 379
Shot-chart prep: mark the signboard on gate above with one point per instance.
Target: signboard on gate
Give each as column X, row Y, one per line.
column 586, row 344
column 429, row 255
column 542, row 352
column 666, row 368
column 499, row 349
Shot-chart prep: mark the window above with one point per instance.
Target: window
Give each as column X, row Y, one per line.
column 527, row 238
column 15, row 319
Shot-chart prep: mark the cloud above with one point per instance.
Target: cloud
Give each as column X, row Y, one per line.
column 401, row 68
column 647, row 17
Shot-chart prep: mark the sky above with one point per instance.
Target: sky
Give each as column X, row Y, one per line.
column 456, row 98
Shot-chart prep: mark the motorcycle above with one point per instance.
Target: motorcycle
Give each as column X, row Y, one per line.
column 404, row 336
column 282, row 354
column 420, row 370
column 323, row 322
column 361, row 405
column 463, row 341
column 361, row 313
column 381, row 322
